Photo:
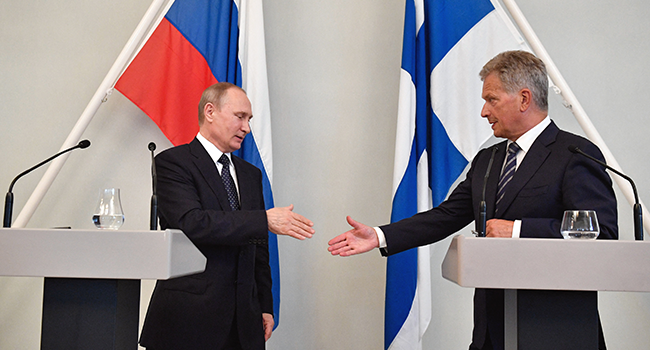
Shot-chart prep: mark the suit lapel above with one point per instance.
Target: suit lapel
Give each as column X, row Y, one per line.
column 534, row 159
column 208, row 170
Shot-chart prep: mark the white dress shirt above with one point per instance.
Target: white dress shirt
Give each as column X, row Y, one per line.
column 215, row 154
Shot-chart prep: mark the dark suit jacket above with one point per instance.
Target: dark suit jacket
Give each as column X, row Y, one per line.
column 197, row 311
column 549, row 181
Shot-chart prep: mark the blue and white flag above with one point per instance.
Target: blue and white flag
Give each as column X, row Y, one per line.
column 439, row 131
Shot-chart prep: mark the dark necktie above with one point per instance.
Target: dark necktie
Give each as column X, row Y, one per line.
column 228, row 182
column 508, row 171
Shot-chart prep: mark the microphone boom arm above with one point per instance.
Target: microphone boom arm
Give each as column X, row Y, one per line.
column 482, row 210
column 153, row 218
column 638, row 211
column 9, row 198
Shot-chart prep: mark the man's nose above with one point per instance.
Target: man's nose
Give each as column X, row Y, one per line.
column 246, row 126
column 484, row 111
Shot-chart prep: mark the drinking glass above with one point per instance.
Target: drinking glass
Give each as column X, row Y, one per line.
column 580, row 224
column 108, row 214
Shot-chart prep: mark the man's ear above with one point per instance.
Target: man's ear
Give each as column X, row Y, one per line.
column 525, row 99
column 208, row 111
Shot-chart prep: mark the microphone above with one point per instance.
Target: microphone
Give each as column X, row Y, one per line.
column 9, row 198
column 482, row 214
column 153, row 222
column 638, row 213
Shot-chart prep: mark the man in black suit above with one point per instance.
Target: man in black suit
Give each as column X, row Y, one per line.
column 546, row 179
column 216, row 199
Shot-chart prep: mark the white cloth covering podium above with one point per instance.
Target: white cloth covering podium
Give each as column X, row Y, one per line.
column 551, row 284
column 91, row 292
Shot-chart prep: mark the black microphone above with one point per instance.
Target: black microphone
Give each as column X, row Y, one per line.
column 482, row 211
column 9, row 198
column 638, row 212
column 153, row 223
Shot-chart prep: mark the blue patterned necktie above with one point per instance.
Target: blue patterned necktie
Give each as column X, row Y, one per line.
column 228, row 183
column 508, row 171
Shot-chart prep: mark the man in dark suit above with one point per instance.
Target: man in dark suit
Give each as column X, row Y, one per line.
column 527, row 193
column 216, row 199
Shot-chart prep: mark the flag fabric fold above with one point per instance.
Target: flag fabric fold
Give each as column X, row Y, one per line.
column 439, row 130
column 199, row 43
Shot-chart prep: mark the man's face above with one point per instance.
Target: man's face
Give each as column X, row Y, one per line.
column 229, row 126
column 502, row 109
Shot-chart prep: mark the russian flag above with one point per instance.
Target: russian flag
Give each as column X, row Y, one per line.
column 439, row 130
column 196, row 44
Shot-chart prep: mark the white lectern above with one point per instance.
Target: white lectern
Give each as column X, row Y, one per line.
column 559, row 277
column 91, row 293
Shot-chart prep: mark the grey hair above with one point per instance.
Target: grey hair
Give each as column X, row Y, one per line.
column 215, row 94
column 520, row 70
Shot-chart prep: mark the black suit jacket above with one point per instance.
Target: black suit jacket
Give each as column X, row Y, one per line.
column 197, row 311
column 549, row 181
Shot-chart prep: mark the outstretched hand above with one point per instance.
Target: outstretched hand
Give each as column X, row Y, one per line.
column 360, row 239
column 283, row 221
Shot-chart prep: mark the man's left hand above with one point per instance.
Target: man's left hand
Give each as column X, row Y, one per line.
column 499, row 228
column 267, row 323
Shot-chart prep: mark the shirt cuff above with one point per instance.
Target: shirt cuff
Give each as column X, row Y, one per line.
column 381, row 237
column 516, row 229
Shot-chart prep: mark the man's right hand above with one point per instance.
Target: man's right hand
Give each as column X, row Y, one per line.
column 283, row 221
column 360, row 239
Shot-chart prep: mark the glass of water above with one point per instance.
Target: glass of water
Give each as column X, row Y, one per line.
column 108, row 214
column 580, row 224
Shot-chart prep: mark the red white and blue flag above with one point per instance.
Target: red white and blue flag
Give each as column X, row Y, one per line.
column 199, row 43
column 439, row 130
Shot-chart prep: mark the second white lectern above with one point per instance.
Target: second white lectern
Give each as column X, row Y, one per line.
column 550, row 284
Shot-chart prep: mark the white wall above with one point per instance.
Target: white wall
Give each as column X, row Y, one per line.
column 333, row 74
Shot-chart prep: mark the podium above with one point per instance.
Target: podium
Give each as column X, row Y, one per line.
column 550, row 284
column 91, row 293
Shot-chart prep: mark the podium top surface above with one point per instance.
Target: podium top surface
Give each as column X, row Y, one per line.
column 114, row 254
column 553, row 264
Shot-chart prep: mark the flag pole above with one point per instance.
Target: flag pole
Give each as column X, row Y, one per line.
column 100, row 96
column 572, row 103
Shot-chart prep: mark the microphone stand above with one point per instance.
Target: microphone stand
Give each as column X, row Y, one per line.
column 9, row 198
column 638, row 212
column 153, row 223
column 482, row 216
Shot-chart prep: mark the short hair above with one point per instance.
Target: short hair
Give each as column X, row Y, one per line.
column 215, row 94
column 520, row 70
